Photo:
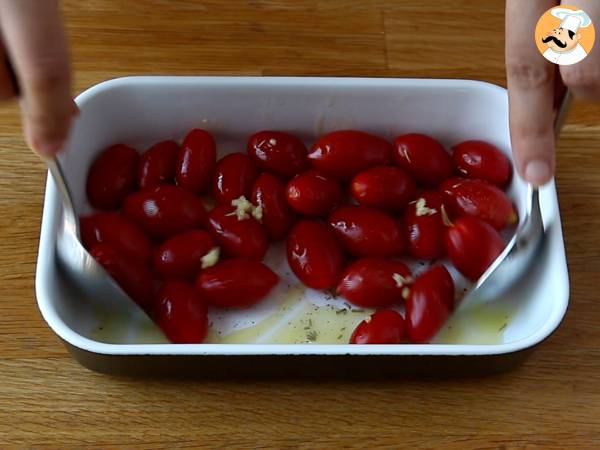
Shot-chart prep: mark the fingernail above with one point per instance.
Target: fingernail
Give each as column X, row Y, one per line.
column 47, row 148
column 538, row 172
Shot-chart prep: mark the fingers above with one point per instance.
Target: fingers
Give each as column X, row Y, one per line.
column 583, row 78
column 37, row 47
column 530, row 80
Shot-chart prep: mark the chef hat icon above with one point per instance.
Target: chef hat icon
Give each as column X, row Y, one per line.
column 572, row 20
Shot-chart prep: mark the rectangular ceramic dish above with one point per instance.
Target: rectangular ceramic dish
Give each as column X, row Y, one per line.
column 143, row 110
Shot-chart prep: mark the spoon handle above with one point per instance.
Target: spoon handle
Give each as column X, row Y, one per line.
column 61, row 182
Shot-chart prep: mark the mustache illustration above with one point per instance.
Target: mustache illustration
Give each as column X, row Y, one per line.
column 556, row 41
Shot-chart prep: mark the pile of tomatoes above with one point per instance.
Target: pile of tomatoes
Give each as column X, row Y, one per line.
column 349, row 208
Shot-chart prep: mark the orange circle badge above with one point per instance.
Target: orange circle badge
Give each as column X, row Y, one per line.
column 565, row 35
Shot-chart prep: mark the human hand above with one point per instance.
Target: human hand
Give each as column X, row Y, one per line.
column 535, row 86
column 34, row 42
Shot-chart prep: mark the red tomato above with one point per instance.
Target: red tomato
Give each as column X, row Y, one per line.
column 117, row 230
column 134, row 277
column 424, row 158
column 478, row 198
column 157, row 165
column 472, row 246
column 245, row 237
column 236, row 283
column 480, row 159
column 196, row 161
column 314, row 254
column 343, row 154
column 112, row 176
column 429, row 304
column 180, row 313
column 313, row 194
column 181, row 257
column 366, row 231
column 165, row 210
column 279, row 153
column 385, row 326
column 277, row 217
column 374, row 282
column 234, row 175
column 425, row 226
column 388, row 188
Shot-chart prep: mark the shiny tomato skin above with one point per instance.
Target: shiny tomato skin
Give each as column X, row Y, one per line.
column 132, row 276
column 424, row 226
column 374, row 282
column 366, row 231
column 480, row 159
column 385, row 326
column 313, row 194
column 112, row 176
column 269, row 194
column 279, row 153
column 234, row 175
column 180, row 313
column 314, row 254
column 424, row 158
column 117, row 230
column 196, row 161
column 342, row 154
column 180, row 257
column 429, row 304
column 478, row 198
column 165, row 210
column 385, row 187
column 236, row 283
column 237, row 238
column 472, row 246
column 157, row 165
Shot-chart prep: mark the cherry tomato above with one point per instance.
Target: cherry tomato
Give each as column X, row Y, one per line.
column 472, row 246
column 429, row 304
column 196, row 161
column 180, row 313
column 238, row 236
column 234, row 175
column 182, row 256
column 388, row 188
column 277, row 217
column 480, row 199
column 480, row 159
column 424, row 158
column 343, row 154
column 236, row 283
column 425, row 227
column 314, row 254
column 313, row 194
column 279, row 153
column 385, row 326
column 157, row 165
column 165, row 210
column 117, row 230
column 374, row 282
column 112, row 176
column 134, row 277
column 366, row 231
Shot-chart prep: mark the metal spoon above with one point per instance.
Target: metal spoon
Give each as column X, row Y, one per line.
column 522, row 249
column 79, row 266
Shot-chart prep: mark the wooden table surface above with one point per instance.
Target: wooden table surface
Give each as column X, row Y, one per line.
column 48, row 400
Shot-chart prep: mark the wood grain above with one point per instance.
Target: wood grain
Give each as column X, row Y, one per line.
column 48, row 401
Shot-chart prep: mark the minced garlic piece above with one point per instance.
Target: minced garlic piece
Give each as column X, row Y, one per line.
column 401, row 281
column 405, row 293
column 243, row 209
column 211, row 258
column 422, row 209
column 257, row 212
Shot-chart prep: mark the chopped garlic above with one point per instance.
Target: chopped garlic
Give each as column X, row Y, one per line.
column 257, row 212
column 422, row 209
column 243, row 209
column 211, row 258
column 273, row 141
column 401, row 281
column 405, row 293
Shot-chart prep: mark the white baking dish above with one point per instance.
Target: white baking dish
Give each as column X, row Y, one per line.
column 142, row 110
